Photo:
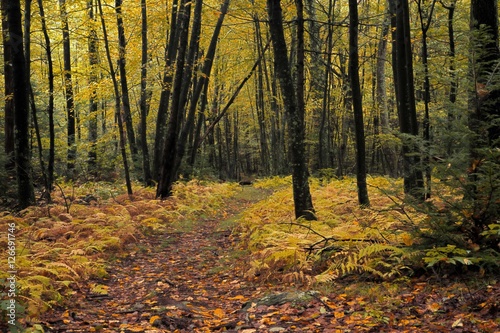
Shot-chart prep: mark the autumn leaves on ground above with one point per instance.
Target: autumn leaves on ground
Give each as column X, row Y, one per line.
column 230, row 258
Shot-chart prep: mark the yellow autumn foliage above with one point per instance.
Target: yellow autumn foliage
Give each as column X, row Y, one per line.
column 346, row 238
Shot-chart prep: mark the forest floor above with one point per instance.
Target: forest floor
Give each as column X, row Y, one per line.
column 191, row 279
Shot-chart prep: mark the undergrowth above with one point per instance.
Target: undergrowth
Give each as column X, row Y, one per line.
column 383, row 242
column 58, row 246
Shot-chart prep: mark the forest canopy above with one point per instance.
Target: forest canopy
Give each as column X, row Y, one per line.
column 234, row 90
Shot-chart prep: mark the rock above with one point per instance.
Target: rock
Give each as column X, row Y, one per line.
column 281, row 298
column 65, row 217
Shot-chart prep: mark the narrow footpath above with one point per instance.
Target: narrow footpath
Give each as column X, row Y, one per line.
column 179, row 281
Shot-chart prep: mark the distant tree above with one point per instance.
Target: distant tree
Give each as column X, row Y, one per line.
column 26, row 195
column 293, row 104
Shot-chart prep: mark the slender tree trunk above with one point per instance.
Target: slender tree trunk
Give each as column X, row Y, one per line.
column 301, row 192
column 170, row 168
column 390, row 159
column 452, row 95
column 117, row 101
column 68, row 87
column 125, row 99
column 167, row 178
column 9, row 144
column 260, row 103
column 427, row 93
column 145, row 97
column 161, row 120
column 230, row 102
column 323, row 136
column 405, row 95
column 357, row 104
column 26, row 195
column 50, row 103
column 93, row 107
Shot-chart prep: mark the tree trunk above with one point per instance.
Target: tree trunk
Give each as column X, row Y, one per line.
column 175, row 143
column 357, row 104
column 427, row 93
column 26, row 195
column 145, row 97
column 452, row 95
column 301, row 193
column 482, row 189
column 167, row 178
column 9, row 144
column 161, row 119
column 118, row 113
column 323, row 137
column 93, row 107
column 50, row 103
column 260, row 103
column 405, row 96
column 68, row 87
column 127, row 114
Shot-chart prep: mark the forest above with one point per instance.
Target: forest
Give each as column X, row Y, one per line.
column 316, row 163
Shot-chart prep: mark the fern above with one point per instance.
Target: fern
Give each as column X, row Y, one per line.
column 377, row 259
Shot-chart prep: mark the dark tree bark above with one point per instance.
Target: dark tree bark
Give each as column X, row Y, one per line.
column 390, row 158
column 324, row 129
column 68, row 88
column 9, row 144
column 357, row 103
column 167, row 178
column 260, row 105
column 296, row 130
column 175, row 143
column 125, row 99
column 425, row 22
column 118, row 112
column 93, row 107
column 50, row 103
column 405, row 96
column 161, row 120
column 482, row 189
column 200, row 84
column 452, row 95
column 26, row 195
column 145, row 97
column 485, row 57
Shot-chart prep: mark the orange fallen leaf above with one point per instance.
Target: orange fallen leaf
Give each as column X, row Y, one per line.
column 219, row 313
column 339, row 314
column 238, row 297
column 433, row 307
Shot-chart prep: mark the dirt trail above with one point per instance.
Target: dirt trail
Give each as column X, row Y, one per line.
column 190, row 279
column 179, row 281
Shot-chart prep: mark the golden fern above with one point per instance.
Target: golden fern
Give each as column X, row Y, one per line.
column 377, row 259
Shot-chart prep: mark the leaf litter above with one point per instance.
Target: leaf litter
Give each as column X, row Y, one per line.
column 195, row 279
